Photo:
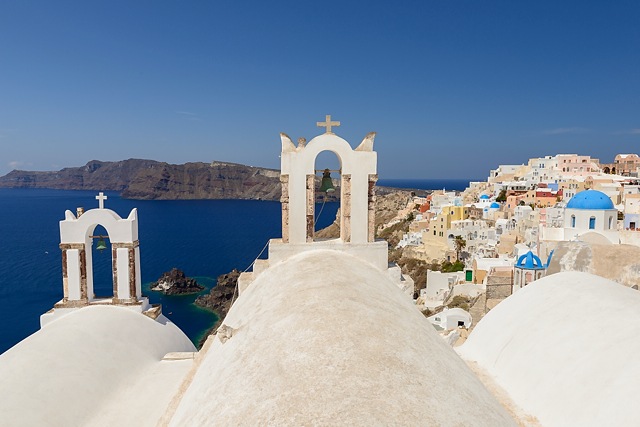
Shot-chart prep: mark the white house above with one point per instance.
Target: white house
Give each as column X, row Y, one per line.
column 451, row 318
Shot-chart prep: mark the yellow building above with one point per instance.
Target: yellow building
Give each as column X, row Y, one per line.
column 439, row 226
column 571, row 187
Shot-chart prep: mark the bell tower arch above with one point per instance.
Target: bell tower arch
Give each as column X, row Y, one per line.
column 358, row 173
column 358, row 178
column 76, row 241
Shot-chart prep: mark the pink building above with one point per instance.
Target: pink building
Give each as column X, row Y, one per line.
column 573, row 164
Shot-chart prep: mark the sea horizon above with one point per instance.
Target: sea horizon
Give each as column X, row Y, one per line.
column 457, row 184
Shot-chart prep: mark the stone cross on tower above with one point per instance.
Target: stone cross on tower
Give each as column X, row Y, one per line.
column 327, row 124
column 101, row 198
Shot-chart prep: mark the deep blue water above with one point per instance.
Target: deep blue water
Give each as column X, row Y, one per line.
column 205, row 238
column 428, row 184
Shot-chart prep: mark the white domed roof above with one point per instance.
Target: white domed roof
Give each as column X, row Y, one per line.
column 79, row 368
column 324, row 338
column 558, row 360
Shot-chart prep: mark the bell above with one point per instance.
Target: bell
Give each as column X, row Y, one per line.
column 327, row 184
column 102, row 245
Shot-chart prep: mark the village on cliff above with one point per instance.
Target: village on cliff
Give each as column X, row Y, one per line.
column 505, row 232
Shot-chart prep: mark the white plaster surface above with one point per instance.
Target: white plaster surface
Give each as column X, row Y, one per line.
column 565, row 348
column 375, row 253
column 324, row 338
column 97, row 366
column 76, row 230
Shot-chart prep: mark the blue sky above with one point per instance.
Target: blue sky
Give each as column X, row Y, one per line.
column 453, row 88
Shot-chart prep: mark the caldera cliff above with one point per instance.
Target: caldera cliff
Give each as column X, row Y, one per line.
column 149, row 179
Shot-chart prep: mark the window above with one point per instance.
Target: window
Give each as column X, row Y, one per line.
column 592, row 223
column 573, row 221
column 610, row 222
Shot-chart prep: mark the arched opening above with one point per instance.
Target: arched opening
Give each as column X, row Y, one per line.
column 610, row 222
column 99, row 264
column 606, row 169
column 327, row 204
column 592, row 223
column 573, row 221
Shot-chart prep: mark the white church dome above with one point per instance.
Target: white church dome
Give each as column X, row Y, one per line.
column 98, row 365
column 564, row 349
column 324, row 338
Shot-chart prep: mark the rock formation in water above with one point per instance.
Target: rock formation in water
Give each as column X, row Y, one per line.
column 220, row 297
column 175, row 282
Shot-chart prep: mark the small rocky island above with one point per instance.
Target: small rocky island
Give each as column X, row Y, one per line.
column 219, row 299
column 220, row 296
column 175, row 282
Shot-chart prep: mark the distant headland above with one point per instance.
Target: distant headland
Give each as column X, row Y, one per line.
column 152, row 180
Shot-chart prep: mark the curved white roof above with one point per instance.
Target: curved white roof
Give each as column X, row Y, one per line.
column 324, row 338
column 99, row 365
column 565, row 348
column 590, row 200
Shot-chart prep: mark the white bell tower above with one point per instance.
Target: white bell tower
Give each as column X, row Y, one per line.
column 358, row 173
column 76, row 240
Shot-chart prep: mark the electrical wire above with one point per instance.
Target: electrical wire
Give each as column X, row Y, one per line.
column 324, row 200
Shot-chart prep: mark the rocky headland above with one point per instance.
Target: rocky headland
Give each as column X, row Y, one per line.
column 175, row 282
column 220, row 297
column 152, row 180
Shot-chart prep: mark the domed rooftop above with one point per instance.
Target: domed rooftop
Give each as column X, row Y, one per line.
column 484, row 197
column 531, row 329
column 529, row 261
column 321, row 372
column 495, row 205
column 591, row 200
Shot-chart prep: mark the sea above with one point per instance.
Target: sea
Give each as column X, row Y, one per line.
column 204, row 238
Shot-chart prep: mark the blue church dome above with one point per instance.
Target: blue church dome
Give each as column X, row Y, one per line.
column 590, row 200
column 484, row 197
column 529, row 261
column 495, row 205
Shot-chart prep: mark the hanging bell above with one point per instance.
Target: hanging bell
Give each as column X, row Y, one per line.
column 327, row 183
column 102, row 245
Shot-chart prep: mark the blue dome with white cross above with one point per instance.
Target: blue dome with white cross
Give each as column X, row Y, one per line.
column 529, row 261
column 590, row 200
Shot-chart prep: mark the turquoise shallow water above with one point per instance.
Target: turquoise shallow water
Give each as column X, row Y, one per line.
column 205, row 238
column 181, row 310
